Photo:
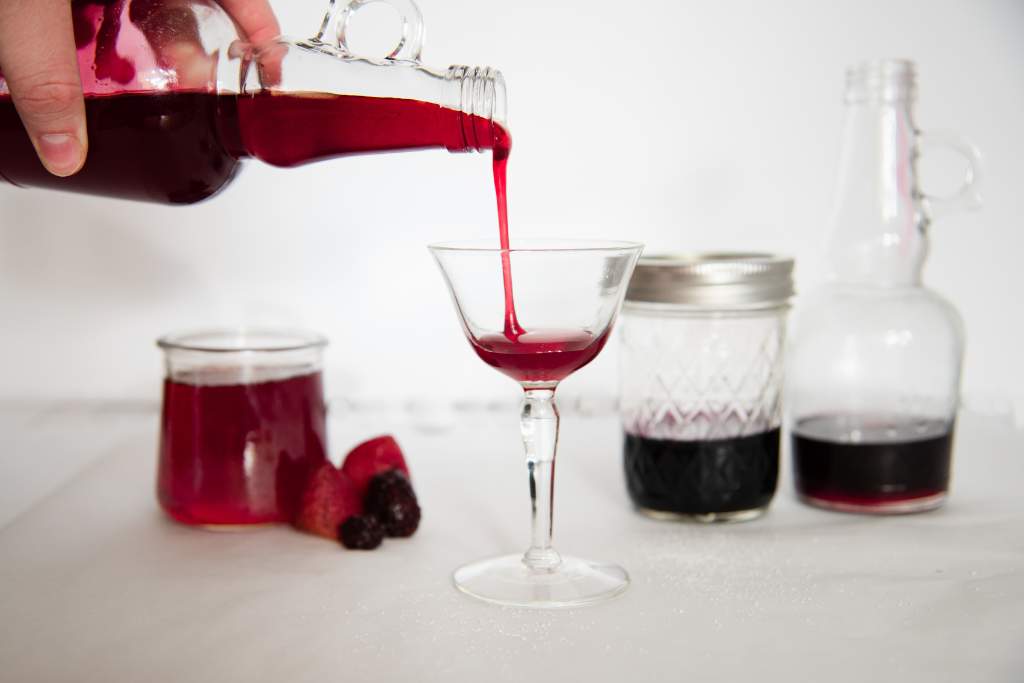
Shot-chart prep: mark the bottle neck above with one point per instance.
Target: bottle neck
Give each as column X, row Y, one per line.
column 479, row 96
column 878, row 232
column 357, row 106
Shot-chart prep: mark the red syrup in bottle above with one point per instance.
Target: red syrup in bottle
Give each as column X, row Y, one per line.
column 183, row 147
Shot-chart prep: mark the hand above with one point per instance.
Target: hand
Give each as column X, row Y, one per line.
column 39, row 63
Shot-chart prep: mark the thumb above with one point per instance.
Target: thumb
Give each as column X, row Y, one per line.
column 37, row 55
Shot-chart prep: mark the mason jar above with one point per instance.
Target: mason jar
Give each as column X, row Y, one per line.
column 701, row 381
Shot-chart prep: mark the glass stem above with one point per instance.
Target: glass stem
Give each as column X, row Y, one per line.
column 539, row 424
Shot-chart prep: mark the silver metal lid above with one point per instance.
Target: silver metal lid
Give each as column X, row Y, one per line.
column 712, row 280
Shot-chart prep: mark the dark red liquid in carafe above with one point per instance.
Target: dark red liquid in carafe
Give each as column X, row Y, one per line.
column 871, row 462
column 235, row 453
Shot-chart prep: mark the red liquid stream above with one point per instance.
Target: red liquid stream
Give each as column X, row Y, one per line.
column 502, row 147
column 238, row 453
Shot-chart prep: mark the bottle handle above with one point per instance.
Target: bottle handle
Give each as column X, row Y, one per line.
column 967, row 198
column 340, row 12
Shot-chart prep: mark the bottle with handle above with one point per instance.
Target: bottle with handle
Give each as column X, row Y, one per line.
column 176, row 99
column 873, row 372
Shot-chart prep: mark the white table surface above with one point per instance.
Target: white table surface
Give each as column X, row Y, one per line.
column 95, row 585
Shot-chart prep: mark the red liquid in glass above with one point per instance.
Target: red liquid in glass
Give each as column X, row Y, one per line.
column 542, row 356
column 238, row 453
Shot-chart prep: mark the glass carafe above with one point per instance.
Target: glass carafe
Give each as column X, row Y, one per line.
column 873, row 371
column 175, row 99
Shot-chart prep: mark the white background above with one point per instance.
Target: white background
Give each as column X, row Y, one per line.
column 686, row 125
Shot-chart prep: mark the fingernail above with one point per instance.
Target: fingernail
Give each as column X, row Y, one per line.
column 61, row 153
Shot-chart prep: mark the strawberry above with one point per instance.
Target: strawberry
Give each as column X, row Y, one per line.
column 328, row 500
column 370, row 458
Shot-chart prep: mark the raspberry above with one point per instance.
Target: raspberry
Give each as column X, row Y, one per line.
column 390, row 498
column 360, row 532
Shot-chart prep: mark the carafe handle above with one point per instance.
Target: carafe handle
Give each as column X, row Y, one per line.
column 340, row 12
column 967, row 198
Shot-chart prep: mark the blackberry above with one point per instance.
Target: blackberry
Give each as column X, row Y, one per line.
column 391, row 499
column 360, row 532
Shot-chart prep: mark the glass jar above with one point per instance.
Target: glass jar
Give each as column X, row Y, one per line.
column 874, row 366
column 701, row 378
column 242, row 425
column 175, row 99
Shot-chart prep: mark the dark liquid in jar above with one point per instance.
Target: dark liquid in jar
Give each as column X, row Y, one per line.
column 702, row 477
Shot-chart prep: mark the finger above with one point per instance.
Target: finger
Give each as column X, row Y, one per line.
column 269, row 62
column 172, row 31
column 258, row 23
column 255, row 17
column 37, row 55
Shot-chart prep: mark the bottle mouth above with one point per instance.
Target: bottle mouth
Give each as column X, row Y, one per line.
column 885, row 80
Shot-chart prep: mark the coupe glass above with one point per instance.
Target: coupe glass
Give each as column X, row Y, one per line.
column 553, row 321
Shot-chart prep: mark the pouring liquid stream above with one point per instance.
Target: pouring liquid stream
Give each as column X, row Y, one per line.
column 502, row 147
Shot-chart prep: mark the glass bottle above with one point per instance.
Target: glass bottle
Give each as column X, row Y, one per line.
column 873, row 371
column 175, row 99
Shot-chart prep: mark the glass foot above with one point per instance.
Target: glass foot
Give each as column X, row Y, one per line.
column 507, row 581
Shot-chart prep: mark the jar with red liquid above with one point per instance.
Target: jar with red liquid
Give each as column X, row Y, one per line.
column 242, row 425
column 176, row 100
column 701, row 381
column 874, row 367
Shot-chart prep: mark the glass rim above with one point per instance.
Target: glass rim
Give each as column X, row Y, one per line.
column 538, row 245
column 262, row 340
